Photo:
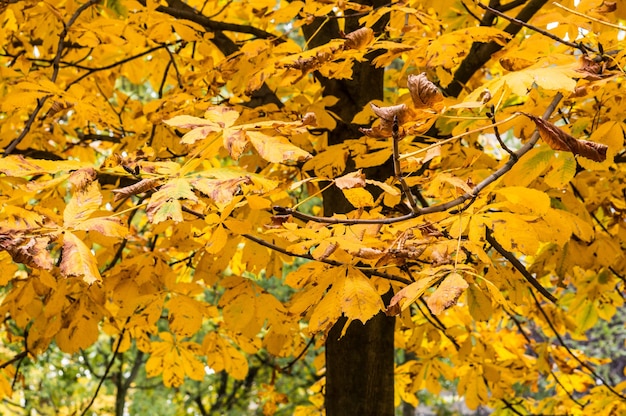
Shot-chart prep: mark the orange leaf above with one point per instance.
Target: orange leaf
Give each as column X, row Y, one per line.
column 447, row 293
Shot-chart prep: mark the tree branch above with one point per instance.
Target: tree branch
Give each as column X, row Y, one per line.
column 55, row 73
column 531, row 27
column 106, row 371
column 519, row 266
column 515, row 156
column 482, row 52
column 571, row 353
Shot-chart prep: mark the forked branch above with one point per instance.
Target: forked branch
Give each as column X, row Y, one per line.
column 417, row 212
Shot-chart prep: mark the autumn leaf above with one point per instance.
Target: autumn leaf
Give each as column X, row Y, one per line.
column 408, row 295
column 557, row 139
column 351, row 180
column 143, row 185
column 276, row 149
column 447, row 293
column 221, row 355
column 359, row 38
column 221, row 191
column 174, row 360
column 78, row 259
column 424, row 93
column 32, row 251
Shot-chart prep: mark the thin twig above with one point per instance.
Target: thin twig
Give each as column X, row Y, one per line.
column 593, row 19
column 492, row 116
column 18, row 357
column 519, row 267
column 55, row 73
column 367, row 272
column 571, row 353
column 297, row 358
column 531, row 27
column 106, row 371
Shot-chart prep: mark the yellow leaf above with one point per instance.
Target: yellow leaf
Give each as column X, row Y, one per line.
column 82, row 205
column 164, row 203
column 526, row 200
column 19, row 166
column 78, row 259
column 257, row 202
column 109, row 226
column 359, row 298
column 479, row 304
column 330, row 163
column 184, row 316
column 586, row 317
column 174, row 360
column 327, row 311
column 221, row 191
column 409, row 294
column 359, row 197
column 221, row 355
column 447, row 293
column 276, row 149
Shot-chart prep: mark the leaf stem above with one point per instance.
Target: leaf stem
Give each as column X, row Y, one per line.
column 395, row 135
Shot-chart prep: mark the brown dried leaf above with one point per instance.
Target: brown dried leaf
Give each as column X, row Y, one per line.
column 447, row 293
column 606, row 7
column 386, row 115
column 369, row 253
column 137, row 188
column 309, row 119
column 82, row 177
column 29, row 251
column 557, row 139
column 592, row 69
column 359, row 39
column 221, row 191
column 424, row 93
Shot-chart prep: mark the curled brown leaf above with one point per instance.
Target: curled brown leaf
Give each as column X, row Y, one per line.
column 386, row 115
column 557, row 139
column 424, row 93
column 359, row 38
column 137, row 188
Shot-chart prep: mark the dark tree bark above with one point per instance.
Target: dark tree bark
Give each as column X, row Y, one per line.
column 359, row 365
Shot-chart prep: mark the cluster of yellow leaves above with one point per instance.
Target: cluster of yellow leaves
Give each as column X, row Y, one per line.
column 151, row 204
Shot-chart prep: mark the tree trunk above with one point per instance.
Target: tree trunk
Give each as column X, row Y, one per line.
column 359, row 365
